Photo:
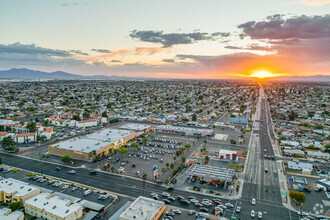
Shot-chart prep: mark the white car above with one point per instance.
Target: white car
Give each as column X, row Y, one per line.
column 207, row 203
column 165, row 194
column 87, row 192
column 259, row 215
column 229, row 205
column 253, row 214
column 74, row 188
column 253, row 201
column 72, row 171
column 177, row 211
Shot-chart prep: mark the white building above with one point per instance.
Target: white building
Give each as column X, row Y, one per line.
column 86, row 123
column 6, row 134
column 47, row 206
column 12, row 190
column 7, row 214
column 227, row 154
column 48, row 132
column 26, row 138
column 144, row 209
column 100, row 120
column 304, row 167
column 318, row 154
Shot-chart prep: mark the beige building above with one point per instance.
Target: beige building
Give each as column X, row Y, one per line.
column 100, row 142
column 7, row 214
column 47, row 206
column 144, row 208
column 12, row 190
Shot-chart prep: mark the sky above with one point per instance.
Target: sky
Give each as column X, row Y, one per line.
column 172, row 39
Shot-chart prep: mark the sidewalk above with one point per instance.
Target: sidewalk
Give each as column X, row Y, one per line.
column 284, row 187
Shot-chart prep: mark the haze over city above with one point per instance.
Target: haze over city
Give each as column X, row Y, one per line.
column 172, row 39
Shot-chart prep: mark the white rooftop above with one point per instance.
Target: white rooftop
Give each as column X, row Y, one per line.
column 16, row 187
column 94, row 141
column 135, row 126
column 142, row 209
column 6, row 214
column 223, row 151
column 186, row 129
column 53, row 204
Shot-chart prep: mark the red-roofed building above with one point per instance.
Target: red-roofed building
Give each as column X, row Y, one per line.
column 100, row 120
column 26, row 137
column 5, row 134
column 86, row 123
column 48, row 132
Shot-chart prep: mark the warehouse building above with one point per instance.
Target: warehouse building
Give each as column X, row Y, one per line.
column 47, row 206
column 99, row 142
column 12, row 190
column 144, row 209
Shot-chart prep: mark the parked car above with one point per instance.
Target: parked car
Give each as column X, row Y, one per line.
column 87, row 192
column 253, row 214
column 253, row 201
column 238, row 209
column 191, row 212
column 259, row 215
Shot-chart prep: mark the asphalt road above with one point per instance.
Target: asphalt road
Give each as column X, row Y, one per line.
column 262, row 186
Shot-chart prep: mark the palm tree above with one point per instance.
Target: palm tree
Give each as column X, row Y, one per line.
column 112, row 169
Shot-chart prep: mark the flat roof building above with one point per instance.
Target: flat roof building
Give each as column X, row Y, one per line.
column 102, row 141
column 12, row 190
column 136, row 127
column 185, row 130
column 7, row 214
column 144, row 209
column 211, row 173
column 47, row 206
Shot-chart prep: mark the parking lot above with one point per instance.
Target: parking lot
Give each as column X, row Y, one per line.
column 314, row 199
column 58, row 186
column 156, row 152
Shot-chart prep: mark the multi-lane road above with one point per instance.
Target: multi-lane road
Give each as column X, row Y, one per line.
column 262, row 186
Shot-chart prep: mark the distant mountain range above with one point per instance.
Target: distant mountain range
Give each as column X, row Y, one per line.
column 59, row 75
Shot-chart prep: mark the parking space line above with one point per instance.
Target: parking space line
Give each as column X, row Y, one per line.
column 63, row 190
column 108, row 206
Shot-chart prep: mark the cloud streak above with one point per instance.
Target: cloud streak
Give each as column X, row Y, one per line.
column 171, row 39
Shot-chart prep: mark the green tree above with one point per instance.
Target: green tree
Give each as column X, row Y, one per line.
column 144, row 176
column 104, row 167
column 112, row 168
column 167, row 165
column 232, row 141
column 65, row 158
column 319, row 126
column 183, row 159
column 76, row 117
column 31, row 126
column 104, row 114
column 145, row 140
column 187, row 146
column 108, row 166
column 2, row 128
column 86, row 115
column 298, row 197
column 174, row 158
column 134, row 144
column 167, row 179
column 172, row 166
column 15, row 205
column 123, row 150
column 207, row 159
column 152, row 136
column 194, row 117
column 293, row 115
column 9, row 144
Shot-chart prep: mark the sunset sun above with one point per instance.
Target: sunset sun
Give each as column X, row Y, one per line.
column 262, row 74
